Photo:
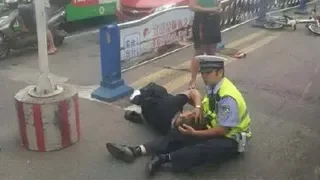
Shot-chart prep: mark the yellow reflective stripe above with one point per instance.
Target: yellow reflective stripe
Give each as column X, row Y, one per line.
column 245, row 114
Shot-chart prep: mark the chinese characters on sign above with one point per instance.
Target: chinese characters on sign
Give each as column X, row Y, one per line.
column 144, row 37
column 171, row 31
column 131, row 46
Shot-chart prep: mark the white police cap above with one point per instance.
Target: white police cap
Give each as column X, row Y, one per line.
column 208, row 63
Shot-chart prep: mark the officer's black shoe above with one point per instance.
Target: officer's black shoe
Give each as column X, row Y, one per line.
column 155, row 164
column 121, row 152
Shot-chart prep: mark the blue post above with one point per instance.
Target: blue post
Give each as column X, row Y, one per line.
column 302, row 9
column 112, row 86
column 259, row 22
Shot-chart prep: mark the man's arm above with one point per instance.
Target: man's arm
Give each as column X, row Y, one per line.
column 227, row 118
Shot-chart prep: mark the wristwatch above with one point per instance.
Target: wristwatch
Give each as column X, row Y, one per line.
column 198, row 106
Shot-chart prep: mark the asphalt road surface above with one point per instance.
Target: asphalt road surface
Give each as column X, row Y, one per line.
column 279, row 79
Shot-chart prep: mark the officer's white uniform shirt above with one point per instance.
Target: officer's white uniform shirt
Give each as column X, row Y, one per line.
column 227, row 112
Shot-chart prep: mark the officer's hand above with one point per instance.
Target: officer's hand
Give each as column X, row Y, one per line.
column 197, row 114
column 186, row 130
column 187, row 114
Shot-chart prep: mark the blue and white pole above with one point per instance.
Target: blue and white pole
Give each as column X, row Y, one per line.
column 112, row 86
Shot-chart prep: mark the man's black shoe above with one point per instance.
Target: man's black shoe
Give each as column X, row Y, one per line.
column 154, row 165
column 133, row 117
column 121, row 152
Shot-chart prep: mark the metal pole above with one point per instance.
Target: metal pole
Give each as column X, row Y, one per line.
column 45, row 85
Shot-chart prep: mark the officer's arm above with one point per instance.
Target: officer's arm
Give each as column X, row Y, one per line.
column 194, row 97
column 227, row 118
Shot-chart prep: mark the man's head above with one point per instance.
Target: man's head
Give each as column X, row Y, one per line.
column 189, row 120
column 211, row 68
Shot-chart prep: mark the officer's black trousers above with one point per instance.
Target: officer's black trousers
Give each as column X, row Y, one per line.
column 187, row 151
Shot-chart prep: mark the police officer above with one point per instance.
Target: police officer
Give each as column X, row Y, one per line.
column 227, row 127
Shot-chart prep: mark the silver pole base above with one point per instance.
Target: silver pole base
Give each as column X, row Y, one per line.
column 33, row 92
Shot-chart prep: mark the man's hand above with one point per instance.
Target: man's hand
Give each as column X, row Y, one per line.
column 187, row 130
column 192, row 84
column 215, row 10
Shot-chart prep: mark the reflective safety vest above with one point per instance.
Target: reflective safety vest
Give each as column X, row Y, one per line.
column 228, row 89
